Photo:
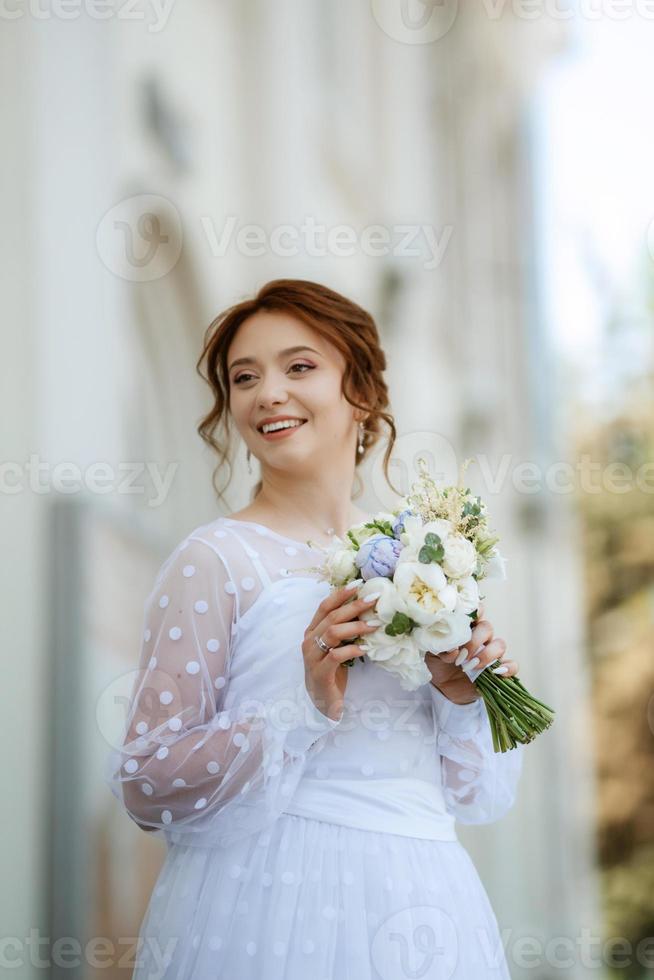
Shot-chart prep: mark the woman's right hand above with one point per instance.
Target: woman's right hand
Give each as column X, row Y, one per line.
column 335, row 622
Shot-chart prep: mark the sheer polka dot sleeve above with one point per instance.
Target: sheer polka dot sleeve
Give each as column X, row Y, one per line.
column 479, row 784
column 188, row 769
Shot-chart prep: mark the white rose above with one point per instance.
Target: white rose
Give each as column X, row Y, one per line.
column 452, row 630
column 340, row 565
column 468, row 594
column 460, row 559
column 362, row 533
column 424, row 590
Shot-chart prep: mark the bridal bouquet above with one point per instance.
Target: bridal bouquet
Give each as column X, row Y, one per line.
column 426, row 559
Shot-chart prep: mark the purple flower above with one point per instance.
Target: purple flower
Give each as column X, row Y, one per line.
column 378, row 556
column 398, row 523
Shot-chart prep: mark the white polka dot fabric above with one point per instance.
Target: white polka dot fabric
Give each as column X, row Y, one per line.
column 272, row 811
column 210, row 751
column 309, row 898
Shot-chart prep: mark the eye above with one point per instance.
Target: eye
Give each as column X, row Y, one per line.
column 298, row 364
column 240, row 378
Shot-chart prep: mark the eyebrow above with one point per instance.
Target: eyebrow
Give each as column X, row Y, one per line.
column 282, row 353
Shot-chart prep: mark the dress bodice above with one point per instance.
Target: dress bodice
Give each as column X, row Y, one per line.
column 222, row 735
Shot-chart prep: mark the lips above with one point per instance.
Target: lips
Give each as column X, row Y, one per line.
column 292, row 419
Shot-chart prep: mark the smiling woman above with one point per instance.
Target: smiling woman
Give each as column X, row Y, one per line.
column 306, row 833
column 296, row 350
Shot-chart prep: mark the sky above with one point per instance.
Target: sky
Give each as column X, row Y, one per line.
column 595, row 185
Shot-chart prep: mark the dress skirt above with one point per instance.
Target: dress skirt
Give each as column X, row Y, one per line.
column 308, row 899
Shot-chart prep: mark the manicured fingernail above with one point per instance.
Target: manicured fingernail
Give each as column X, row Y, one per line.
column 372, row 597
column 500, row 670
column 354, row 584
column 462, row 655
column 472, row 663
column 373, row 622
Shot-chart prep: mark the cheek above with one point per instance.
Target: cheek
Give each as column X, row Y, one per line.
column 325, row 397
column 239, row 409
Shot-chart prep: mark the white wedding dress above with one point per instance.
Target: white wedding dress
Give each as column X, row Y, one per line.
column 297, row 847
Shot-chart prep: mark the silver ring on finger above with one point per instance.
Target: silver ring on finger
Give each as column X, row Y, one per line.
column 321, row 643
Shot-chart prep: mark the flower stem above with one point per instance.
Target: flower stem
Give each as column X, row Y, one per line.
column 515, row 715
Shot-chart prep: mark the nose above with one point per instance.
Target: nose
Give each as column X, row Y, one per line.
column 272, row 392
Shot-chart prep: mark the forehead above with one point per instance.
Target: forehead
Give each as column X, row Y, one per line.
column 265, row 333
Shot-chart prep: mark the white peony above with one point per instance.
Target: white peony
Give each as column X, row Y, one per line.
column 399, row 655
column 450, row 631
column 413, row 536
column 389, row 601
column 412, row 675
column 460, row 559
column 424, row 590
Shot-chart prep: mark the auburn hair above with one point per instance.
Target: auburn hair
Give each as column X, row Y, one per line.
column 338, row 320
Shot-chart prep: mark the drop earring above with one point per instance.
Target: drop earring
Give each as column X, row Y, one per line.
column 361, row 437
column 248, row 457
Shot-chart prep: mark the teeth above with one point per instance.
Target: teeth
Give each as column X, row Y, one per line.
column 286, row 424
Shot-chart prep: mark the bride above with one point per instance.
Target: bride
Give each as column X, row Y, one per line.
column 308, row 808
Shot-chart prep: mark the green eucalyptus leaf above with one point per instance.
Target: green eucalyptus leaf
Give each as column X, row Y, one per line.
column 400, row 623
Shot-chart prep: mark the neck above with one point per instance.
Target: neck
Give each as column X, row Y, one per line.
column 320, row 504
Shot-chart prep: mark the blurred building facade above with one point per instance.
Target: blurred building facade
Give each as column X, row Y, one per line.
column 284, row 117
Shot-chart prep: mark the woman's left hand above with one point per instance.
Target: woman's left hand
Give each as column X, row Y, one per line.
column 449, row 677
